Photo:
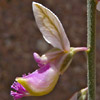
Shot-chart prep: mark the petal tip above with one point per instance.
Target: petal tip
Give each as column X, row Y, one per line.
column 20, row 80
column 35, row 3
column 37, row 57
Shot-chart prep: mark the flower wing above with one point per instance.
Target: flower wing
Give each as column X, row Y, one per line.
column 50, row 26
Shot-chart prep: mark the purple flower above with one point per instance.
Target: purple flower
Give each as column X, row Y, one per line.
column 51, row 64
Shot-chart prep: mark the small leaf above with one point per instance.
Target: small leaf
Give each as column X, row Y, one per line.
column 81, row 95
column 50, row 27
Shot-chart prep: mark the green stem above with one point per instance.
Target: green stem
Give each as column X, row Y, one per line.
column 91, row 43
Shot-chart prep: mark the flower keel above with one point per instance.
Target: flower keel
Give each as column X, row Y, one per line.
column 38, row 83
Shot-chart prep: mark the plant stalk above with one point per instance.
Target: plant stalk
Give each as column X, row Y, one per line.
column 91, row 44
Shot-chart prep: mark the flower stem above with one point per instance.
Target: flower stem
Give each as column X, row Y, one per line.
column 78, row 49
column 91, row 44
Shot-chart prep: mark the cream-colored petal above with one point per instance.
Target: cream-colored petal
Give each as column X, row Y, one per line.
column 50, row 27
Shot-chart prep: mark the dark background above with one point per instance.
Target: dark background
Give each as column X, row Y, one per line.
column 20, row 37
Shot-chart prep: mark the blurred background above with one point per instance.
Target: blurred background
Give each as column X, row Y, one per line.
column 20, row 37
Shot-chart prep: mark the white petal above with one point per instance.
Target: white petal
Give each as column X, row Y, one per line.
column 50, row 27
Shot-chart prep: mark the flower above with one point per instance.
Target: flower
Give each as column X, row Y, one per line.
column 53, row 63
